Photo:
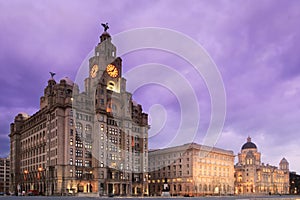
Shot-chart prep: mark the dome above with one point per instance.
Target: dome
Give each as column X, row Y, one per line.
column 25, row 115
column 283, row 160
column 249, row 144
column 68, row 81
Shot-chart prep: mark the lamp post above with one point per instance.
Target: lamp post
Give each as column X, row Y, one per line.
column 25, row 180
column 40, row 176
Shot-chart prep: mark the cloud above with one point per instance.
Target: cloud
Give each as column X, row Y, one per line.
column 255, row 45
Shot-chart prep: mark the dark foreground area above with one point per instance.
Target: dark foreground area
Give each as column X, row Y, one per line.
column 287, row 197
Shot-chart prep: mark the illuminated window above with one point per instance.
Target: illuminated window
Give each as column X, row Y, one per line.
column 88, row 128
column 78, row 173
column 78, row 143
column 78, row 162
column 78, row 126
column 78, row 153
column 88, row 163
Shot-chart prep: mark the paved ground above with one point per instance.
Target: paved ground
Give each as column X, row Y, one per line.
column 152, row 198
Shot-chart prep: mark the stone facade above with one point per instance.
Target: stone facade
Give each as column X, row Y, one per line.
column 254, row 177
column 294, row 183
column 94, row 141
column 4, row 175
column 191, row 170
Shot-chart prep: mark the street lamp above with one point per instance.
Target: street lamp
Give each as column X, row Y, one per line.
column 25, row 174
column 39, row 172
column 25, row 179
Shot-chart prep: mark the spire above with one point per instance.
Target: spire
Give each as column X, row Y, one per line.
column 52, row 74
column 105, row 35
column 105, row 26
column 51, row 81
column 249, row 139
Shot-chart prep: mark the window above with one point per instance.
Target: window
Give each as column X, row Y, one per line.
column 88, row 163
column 88, row 154
column 79, row 143
column 71, row 141
column 88, row 128
column 71, row 151
column 78, row 163
column 79, row 153
column 78, row 173
column 78, row 129
column 88, row 145
column 71, row 161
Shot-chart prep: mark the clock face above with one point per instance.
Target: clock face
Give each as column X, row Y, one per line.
column 94, row 71
column 112, row 70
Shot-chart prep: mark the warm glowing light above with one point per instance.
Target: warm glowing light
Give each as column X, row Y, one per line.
column 94, row 71
column 112, row 70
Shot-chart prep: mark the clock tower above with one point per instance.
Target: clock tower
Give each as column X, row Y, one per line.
column 104, row 65
column 92, row 142
column 120, row 127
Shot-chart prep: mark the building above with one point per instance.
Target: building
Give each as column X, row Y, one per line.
column 4, row 174
column 192, row 170
column 294, row 183
column 93, row 141
column 254, row 177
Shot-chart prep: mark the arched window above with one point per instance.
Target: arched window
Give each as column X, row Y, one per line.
column 88, row 131
column 111, row 85
column 88, row 128
column 79, row 129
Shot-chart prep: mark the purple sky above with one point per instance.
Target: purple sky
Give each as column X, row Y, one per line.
column 255, row 45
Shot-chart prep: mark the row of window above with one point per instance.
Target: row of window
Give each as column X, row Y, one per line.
column 83, row 117
column 79, row 163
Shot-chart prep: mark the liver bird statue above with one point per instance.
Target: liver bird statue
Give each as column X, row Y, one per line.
column 105, row 26
column 52, row 74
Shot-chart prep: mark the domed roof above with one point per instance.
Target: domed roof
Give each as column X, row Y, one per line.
column 24, row 114
column 249, row 144
column 283, row 160
column 68, row 81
